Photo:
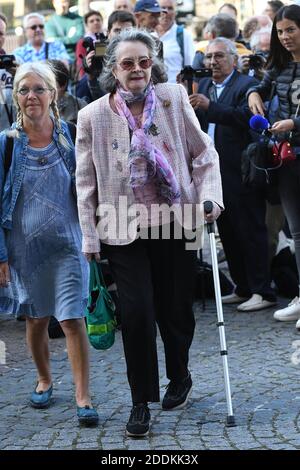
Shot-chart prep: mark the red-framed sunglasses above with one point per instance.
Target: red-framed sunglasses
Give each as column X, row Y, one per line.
column 128, row 64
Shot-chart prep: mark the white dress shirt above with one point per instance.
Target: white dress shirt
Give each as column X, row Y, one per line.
column 219, row 87
column 173, row 59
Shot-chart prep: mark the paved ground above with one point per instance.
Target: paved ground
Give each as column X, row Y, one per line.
column 264, row 361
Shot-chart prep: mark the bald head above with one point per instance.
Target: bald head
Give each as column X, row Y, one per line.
column 123, row 5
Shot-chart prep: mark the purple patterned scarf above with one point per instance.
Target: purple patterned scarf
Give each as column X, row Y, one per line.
column 146, row 162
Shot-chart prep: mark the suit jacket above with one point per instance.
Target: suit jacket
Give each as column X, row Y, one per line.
column 231, row 116
column 102, row 175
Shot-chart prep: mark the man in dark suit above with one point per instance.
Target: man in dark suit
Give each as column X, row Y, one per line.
column 220, row 105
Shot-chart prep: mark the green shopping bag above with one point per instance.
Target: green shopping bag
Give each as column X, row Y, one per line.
column 100, row 311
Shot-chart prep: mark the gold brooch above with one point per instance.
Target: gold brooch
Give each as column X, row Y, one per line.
column 166, row 103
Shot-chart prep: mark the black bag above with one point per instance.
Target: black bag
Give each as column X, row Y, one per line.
column 284, row 273
column 257, row 163
column 257, row 167
column 204, row 285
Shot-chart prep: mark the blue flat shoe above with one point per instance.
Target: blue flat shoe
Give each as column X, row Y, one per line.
column 87, row 415
column 41, row 399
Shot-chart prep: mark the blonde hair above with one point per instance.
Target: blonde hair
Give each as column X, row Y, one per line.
column 45, row 72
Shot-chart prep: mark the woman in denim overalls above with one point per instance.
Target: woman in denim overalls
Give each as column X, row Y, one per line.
column 42, row 270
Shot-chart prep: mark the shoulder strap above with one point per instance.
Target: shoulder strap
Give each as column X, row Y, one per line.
column 180, row 40
column 72, row 130
column 46, row 49
column 8, row 154
column 272, row 92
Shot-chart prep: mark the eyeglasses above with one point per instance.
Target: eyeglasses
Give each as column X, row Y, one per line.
column 38, row 90
column 128, row 64
column 166, row 9
column 34, row 27
column 217, row 56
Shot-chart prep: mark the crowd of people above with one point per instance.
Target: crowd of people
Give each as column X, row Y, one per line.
column 160, row 139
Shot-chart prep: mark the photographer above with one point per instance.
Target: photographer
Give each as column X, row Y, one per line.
column 93, row 21
column 221, row 109
column 88, row 87
column 254, row 64
column 220, row 25
column 7, row 71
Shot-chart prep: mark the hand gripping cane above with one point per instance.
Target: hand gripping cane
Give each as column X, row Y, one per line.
column 208, row 207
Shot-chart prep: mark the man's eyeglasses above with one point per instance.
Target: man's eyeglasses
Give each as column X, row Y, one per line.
column 38, row 90
column 128, row 64
column 34, row 27
column 217, row 56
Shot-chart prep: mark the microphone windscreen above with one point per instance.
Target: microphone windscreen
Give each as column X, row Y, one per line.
column 259, row 123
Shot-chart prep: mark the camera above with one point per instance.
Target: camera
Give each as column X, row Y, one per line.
column 99, row 46
column 189, row 74
column 7, row 61
column 257, row 61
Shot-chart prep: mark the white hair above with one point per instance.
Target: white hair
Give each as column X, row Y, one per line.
column 32, row 15
column 256, row 36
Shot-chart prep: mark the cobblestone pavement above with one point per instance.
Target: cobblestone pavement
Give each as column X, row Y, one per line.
column 264, row 364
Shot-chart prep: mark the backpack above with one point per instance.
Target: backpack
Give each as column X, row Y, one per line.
column 180, row 40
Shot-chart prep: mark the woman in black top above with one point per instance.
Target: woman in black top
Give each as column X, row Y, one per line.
column 284, row 69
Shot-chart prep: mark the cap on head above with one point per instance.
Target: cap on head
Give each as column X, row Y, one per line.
column 147, row 5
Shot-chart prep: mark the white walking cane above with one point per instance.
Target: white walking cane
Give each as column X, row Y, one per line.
column 208, row 207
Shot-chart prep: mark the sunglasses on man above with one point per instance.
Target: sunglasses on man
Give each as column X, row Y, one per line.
column 34, row 27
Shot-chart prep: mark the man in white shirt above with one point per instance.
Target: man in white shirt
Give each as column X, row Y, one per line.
column 178, row 44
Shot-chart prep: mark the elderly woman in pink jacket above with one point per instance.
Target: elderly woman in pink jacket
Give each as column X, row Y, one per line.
column 144, row 169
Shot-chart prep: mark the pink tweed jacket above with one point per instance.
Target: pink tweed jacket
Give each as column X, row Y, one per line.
column 102, row 147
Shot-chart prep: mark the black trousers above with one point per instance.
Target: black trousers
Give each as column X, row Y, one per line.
column 244, row 236
column 155, row 282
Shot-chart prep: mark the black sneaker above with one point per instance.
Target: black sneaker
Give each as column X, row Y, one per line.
column 177, row 394
column 139, row 421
